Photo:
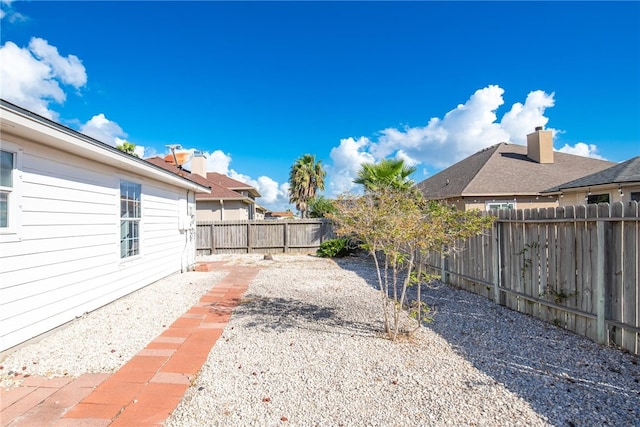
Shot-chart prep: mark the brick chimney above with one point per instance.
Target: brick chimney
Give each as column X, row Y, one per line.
column 199, row 164
column 540, row 145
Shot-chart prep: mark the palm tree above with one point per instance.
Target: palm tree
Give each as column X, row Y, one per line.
column 305, row 178
column 390, row 174
column 320, row 206
column 127, row 147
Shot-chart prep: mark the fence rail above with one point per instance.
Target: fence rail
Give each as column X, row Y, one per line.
column 262, row 236
column 575, row 266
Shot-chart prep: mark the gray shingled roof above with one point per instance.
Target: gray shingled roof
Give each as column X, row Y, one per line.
column 628, row 171
column 504, row 170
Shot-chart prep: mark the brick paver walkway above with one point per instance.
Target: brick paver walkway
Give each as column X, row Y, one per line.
column 146, row 390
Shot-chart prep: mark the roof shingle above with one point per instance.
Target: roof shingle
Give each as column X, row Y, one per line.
column 505, row 169
column 217, row 191
column 628, row 171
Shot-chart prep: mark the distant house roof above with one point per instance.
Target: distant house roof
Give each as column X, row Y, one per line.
column 161, row 163
column 231, row 183
column 628, row 171
column 217, row 191
column 505, row 170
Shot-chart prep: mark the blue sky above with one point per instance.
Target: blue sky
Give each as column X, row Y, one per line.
column 256, row 85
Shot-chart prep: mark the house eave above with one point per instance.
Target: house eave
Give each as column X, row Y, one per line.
column 24, row 124
column 483, row 195
column 214, row 198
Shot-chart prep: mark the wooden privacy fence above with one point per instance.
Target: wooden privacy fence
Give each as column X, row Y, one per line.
column 577, row 267
column 262, row 236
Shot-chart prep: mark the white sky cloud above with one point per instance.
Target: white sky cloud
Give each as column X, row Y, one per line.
column 218, row 161
column 7, row 12
column 462, row 131
column 38, row 75
column 104, row 130
column 582, row 149
column 68, row 69
column 347, row 158
column 32, row 76
column 274, row 195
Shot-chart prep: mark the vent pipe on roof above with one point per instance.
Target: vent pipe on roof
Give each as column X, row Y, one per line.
column 540, row 145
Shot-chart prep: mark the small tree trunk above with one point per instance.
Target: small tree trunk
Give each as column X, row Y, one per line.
column 418, row 297
column 405, row 284
column 383, row 291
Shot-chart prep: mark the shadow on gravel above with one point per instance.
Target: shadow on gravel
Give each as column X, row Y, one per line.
column 569, row 379
column 283, row 314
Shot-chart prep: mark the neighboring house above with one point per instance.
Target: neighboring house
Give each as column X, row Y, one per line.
column 217, row 206
column 261, row 211
column 619, row 183
column 509, row 176
column 227, row 205
column 81, row 224
column 228, row 199
column 279, row 215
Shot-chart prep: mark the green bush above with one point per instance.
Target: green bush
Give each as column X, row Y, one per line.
column 335, row 248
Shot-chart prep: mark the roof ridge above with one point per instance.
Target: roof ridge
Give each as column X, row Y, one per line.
column 493, row 147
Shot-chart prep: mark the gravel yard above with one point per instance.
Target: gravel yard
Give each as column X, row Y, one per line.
column 304, row 348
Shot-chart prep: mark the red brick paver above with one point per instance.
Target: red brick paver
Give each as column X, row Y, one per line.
column 146, row 390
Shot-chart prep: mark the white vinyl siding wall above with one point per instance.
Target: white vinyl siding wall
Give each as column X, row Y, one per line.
column 67, row 261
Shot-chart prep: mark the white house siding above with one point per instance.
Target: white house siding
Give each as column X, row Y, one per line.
column 67, row 259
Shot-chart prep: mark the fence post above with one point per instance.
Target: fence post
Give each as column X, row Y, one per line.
column 495, row 254
column 600, row 296
column 444, row 266
column 249, row 249
column 286, row 236
column 213, row 246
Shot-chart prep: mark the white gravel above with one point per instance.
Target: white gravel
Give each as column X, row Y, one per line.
column 105, row 339
column 304, row 348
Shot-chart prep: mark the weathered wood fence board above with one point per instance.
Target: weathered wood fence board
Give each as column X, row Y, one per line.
column 577, row 267
column 262, row 236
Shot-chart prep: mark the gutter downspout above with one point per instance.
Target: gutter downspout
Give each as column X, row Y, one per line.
column 185, row 257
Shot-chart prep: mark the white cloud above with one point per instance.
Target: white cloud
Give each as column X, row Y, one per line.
column 462, row 131
column 268, row 188
column 8, row 12
column 218, row 161
column 523, row 119
column 582, row 149
column 273, row 194
column 140, row 151
column 347, row 158
column 104, row 130
column 32, row 77
column 70, row 70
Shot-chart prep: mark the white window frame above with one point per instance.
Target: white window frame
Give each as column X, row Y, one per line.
column 11, row 232
column 501, row 203
column 129, row 219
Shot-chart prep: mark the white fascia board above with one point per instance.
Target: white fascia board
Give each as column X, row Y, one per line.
column 43, row 131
